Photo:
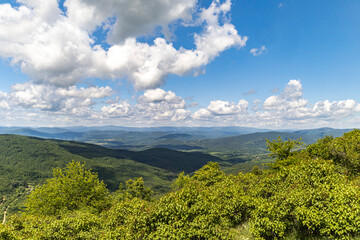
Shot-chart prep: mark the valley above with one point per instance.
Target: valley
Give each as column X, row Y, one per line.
column 28, row 156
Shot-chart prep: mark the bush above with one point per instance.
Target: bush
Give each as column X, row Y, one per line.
column 72, row 188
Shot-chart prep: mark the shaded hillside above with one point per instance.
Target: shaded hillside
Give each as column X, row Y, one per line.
column 172, row 160
column 167, row 159
column 28, row 160
column 176, row 136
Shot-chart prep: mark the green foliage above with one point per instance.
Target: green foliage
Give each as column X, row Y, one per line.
column 135, row 189
column 128, row 218
column 344, row 151
column 208, row 206
column 322, row 148
column 256, row 170
column 307, row 195
column 71, row 225
column 26, row 162
column 282, row 150
column 72, row 188
column 309, row 198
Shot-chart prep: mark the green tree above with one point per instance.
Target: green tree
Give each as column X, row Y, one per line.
column 71, row 188
column 134, row 189
column 283, row 151
column 344, row 151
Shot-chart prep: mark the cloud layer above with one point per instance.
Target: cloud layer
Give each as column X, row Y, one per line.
column 60, row 48
column 39, row 104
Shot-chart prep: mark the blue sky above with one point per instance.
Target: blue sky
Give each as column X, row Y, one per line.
column 269, row 64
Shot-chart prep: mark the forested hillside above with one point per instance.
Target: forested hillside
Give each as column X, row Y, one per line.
column 308, row 192
column 27, row 161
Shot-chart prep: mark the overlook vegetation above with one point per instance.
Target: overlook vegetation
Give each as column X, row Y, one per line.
column 27, row 161
column 308, row 192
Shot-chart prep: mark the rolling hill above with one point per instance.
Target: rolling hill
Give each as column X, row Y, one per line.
column 205, row 139
column 31, row 159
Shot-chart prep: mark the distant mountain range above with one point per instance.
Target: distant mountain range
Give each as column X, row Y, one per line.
column 206, row 139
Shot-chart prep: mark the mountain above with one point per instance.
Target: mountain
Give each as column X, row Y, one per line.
column 26, row 162
column 205, row 139
column 176, row 136
column 315, row 134
column 32, row 159
column 151, row 132
column 256, row 142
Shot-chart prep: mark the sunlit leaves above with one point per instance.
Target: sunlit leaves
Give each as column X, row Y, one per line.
column 72, row 188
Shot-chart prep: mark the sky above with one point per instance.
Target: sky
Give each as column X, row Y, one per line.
column 277, row 64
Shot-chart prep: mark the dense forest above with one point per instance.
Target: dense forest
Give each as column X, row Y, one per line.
column 307, row 192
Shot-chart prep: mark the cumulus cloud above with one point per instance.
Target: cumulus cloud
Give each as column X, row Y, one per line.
column 46, row 46
column 290, row 98
column 43, row 103
column 258, row 51
column 59, row 49
column 290, row 105
column 159, row 95
column 202, row 114
column 68, row 105
column 221, row 108
column 116, row 110
column 287, row 109
column 157, row 104
column 131, row 18
column 50, row 98
column 336, row 108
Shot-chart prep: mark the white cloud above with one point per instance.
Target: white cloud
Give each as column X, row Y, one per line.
column 219, row 107
column 336, row 108
column 91, row 92
column 157, row 95
column 45, row 45
column 40, row 104
column 50, row 98
column 116, row 110
column 132, row 18
column 180, row 114
column 159, row 105
column 147, row 66
column 222, row 111
column 290, row 106
column 290, row 98
column 4, row 105
column 58, row 49
column 203, row 114
column 286, row 110
column 258, row 51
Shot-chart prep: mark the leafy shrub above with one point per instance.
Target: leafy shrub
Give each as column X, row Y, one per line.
column 309, row 194
column 309, row 197
column 70, row 189
column 207, row 206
